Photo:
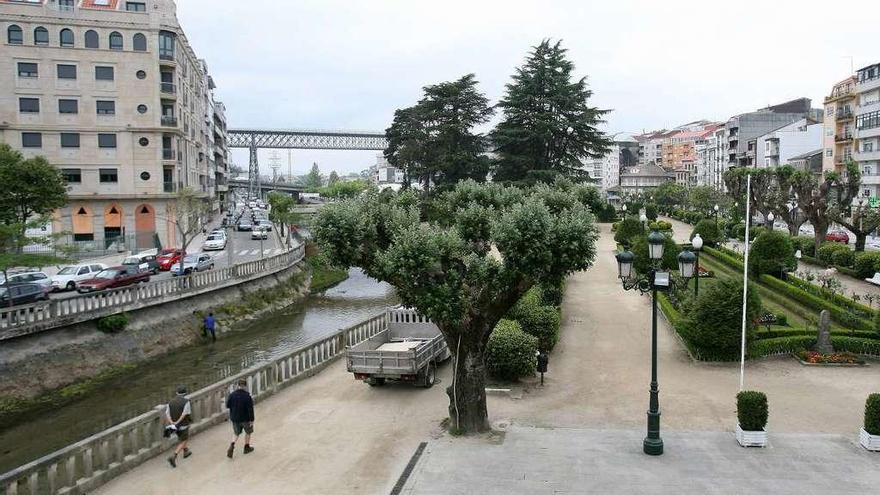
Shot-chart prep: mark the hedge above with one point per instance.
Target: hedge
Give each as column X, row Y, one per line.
column 724, row 258
column 781, row 345
column 806, row 244
column 838, row 314
column 856, row 345
column 842, row 269
column 843, row 258
column 777, row 332
column 536, row 318
column 510, row 353
column 827, row 251
column 864, row 311
column 866, row 264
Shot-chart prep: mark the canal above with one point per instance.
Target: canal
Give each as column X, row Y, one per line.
column 151, row 383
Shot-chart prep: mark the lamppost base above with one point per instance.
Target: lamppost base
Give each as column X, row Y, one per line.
column 653, row 446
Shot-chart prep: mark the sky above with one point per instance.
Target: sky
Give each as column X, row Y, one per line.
column 331, row 64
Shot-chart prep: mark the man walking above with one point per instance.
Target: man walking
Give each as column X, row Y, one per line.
column 241, row 414
column 209, row 327
column 178, row 413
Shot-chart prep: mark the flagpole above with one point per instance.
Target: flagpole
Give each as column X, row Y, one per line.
column 742, row 358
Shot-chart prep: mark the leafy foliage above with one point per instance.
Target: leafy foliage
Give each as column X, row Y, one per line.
column 708, row 232
column 628, row 230
column 344, row 189
column 827, row 249
column 872, row 414
column 807, row 245
column 773, row 254
column 510, row 353
column 113, row 323
column 642, row 262
column 670, row 194
column 751, row 410
column 867, row 264
column 537, row 319
column 713, row 326
column 313, row 180
column 548, row 126
column 843, row 257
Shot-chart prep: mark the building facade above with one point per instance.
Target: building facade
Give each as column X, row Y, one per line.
column 743, row 129
column 837, row 139
column 623, row 152
column 867, row 129
column 643, row 179
column 778, row 146
column 111, row 93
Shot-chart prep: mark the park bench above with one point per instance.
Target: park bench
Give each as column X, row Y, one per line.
column 875, row 279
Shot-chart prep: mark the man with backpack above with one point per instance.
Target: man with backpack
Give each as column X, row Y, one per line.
column 241, row 414
column 178, row 416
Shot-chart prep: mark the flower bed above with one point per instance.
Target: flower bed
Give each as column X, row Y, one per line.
column 834, row 358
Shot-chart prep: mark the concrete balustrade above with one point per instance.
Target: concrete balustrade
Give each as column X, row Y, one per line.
column 87, row 464
column 39, row 317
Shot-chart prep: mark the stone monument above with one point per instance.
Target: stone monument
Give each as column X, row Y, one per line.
column 823, row 340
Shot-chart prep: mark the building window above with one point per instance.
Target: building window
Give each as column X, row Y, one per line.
column 103, row 73
column 107, row 175
column 14, row 35
column 144, row 141
column 106, row 107
column 92, row 40
column 166, row 45
column 106, row 140
column 145, row 176
column 115, row 41
column 866, row 193
column 139, row 42
column 66, row 71
column 71, row 175
column 136, row 6
column 141, row 74
column 68, row 106
column 867, row 147
column 31, row 140
column 65, row 5
column 70, row 140
column 142, row 108
column 41, row 36
column 868, row 120
column 66, row 37
column 27, row 69
column 29, row 105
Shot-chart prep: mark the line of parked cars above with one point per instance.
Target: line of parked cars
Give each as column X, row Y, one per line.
column 24, row 288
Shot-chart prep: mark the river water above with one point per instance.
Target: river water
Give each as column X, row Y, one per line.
column 134, row 392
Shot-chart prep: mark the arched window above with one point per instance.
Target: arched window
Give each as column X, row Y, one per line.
column 115, row 41
column 66, row 37
column 14, row 35
column 41, row 36
column 91, row 39
column 139, row 43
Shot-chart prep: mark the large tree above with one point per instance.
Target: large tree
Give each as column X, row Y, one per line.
column 188, row 211
column 32, row 188
column 447, row 269
column 815, row 199
column 407, row 138
column 670, row 194
column 761, row 189
column 548, row 123
column 857, row 217
column 282, row 212
column 313, row 180
column 781, row 200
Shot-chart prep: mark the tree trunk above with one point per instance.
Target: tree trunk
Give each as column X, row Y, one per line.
column 860, row 240
column 819, row 236
column 793, row 230
column 467, row 393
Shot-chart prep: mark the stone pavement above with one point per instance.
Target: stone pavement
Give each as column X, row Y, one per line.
column 537, row 461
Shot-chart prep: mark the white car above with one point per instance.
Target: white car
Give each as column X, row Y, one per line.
column 259, row 233
column 69, row 276
column 214, row 241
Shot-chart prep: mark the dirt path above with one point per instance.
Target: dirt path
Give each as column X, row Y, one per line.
column 330, row 434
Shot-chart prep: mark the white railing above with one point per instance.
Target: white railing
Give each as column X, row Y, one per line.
column 89, row 463
column 34, row 318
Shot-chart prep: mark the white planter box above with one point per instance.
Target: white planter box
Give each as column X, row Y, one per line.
column 751, row 438
column 868, row 441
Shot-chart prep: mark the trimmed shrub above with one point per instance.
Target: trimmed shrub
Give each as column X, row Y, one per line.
column 782, row 320
column 843, row 258
column 531, row 298
column 642, row 262
column 738, row 231
column 731, row 261
column 772, row 254
column 708, row 231
column 806, row 244
column 660, row 225
column 713, row 325
column 510, row 353
column 827, row 250
column 751, row 410
column 872, row 414
column 551, row 293
column 541, row 322
column 627, row 230
column 113, row 323
column 859, row 309
column 651, row 211
column 856, row 345
column 781, row 345
column 841, row 315
column 867, row 263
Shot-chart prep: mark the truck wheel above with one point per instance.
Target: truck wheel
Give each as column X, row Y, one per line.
column 376, row 382
column 429, row 376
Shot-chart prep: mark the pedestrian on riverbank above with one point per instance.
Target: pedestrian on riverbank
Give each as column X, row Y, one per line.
column 178, row 413
column 209, row 327
column 241, row 414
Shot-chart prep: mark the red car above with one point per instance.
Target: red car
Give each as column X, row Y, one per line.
column 111, row 278
column 169, row 257
column 837, row 236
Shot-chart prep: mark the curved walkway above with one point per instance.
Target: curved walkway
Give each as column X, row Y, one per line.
column 330, row 434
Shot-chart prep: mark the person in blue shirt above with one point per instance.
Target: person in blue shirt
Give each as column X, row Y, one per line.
column 209, row 327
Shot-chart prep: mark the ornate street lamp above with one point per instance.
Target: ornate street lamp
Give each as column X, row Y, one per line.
column 716, row 216
column 655, row 280
column 697, row 244
column 771, row 218
column 644, row 219
column 624, row 211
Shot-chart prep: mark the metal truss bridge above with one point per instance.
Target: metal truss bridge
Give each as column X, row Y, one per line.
column 307, row 139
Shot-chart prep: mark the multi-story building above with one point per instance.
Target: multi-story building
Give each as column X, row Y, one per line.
column 643, row 179
column 867, row 129
column 838, row 125
column 744, row 128
column 111, row 93
column 778, row 146
column 623, row 152
column 385, row 175
column 651, row 147
column 810, row 161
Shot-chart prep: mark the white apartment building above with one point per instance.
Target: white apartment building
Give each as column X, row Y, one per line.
column 111, row 93
column 623, row 152
column 867, row 129
column 385, row 175
column 778, row 146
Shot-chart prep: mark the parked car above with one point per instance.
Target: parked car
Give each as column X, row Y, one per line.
column 245, row 225
column 214, row 241
column 69, row 276
column 259, row 233
column 24, row 293
column 145, row 262
column 837, row 236
column 168, row 257
column 114, row 277
column 35, row 277
column 197, row 262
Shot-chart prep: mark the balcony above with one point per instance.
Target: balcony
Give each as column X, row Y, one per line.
column 871, row 179
column 168, row 154
column 733, row 138
column 868, row 133
column 839, row 138
column 864, row 156
column 167, row 55
column 839, row 94
column 844, row 114
column 168, row 88
column 169, row 187
column 868, row 84
column 169, row 121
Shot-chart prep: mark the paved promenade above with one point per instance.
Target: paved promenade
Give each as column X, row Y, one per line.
column 330, row 434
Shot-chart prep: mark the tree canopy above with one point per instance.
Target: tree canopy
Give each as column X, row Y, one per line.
column 446, row 267
column 313, row 180
column 31, row 187
column 548, row 124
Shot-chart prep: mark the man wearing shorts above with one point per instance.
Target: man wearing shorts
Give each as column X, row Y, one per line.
column 178, row 412
column 241, row 414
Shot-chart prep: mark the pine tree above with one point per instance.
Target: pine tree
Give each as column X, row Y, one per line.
column 333, row 179
column 548, row 125
column 314, row 180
